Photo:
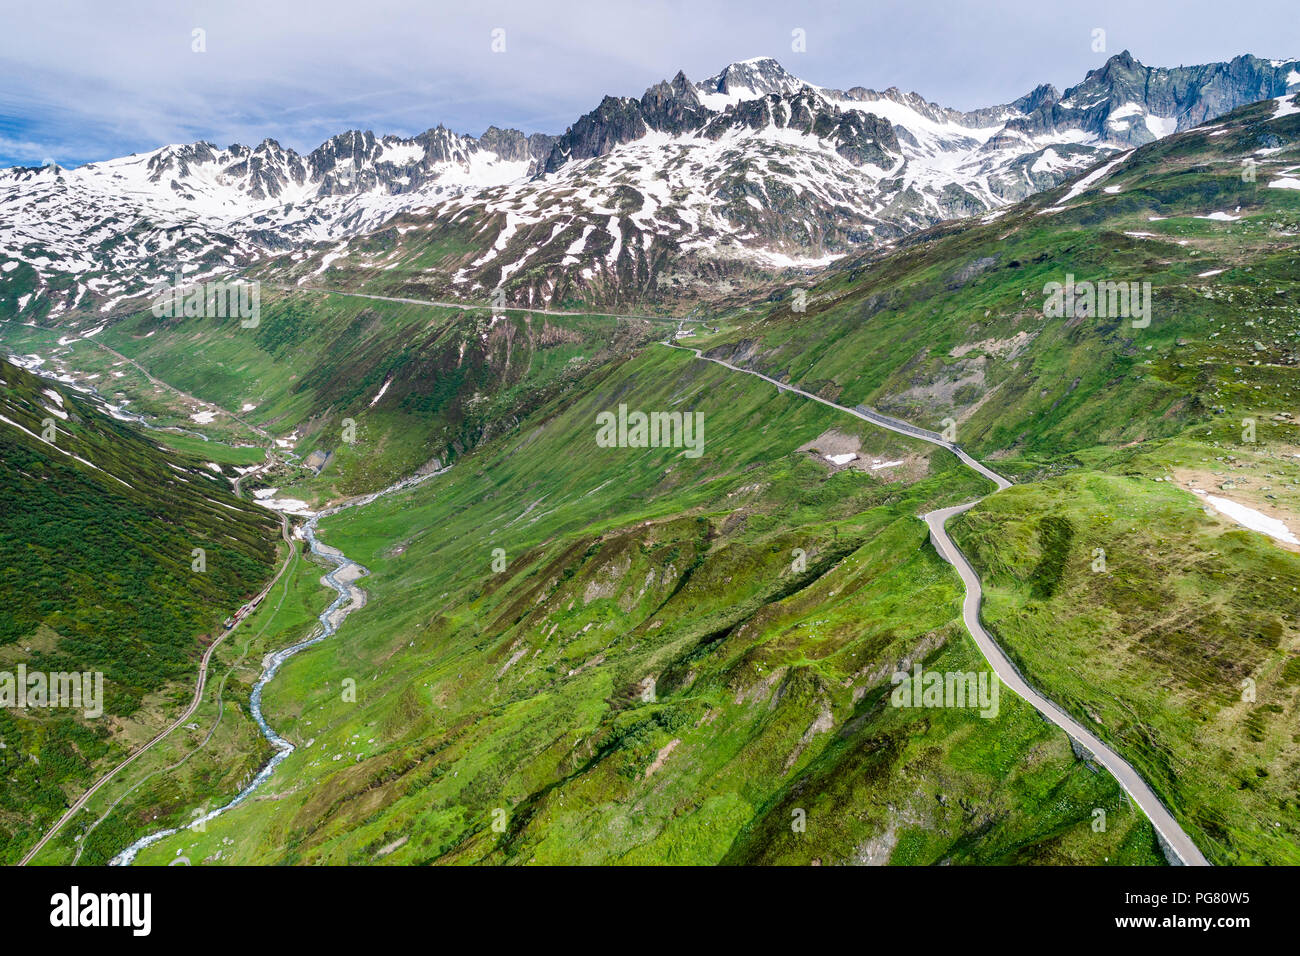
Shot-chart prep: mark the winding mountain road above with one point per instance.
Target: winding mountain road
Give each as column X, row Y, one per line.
column 471, row 307
column 1177, row 843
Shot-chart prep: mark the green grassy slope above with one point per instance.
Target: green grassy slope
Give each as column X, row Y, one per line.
column 215, row 754
column 651, row 678
column 97, row 536
column 316, row 361
column 1183, row 652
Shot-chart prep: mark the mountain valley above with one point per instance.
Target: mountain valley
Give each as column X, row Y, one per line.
column 575, row 653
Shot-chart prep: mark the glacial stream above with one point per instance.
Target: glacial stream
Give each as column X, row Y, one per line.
column 349, row 598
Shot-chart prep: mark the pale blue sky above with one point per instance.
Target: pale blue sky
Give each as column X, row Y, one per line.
column 88, row 79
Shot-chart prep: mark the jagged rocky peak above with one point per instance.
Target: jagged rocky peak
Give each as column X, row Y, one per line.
column 268, row 168
column 180, row 159
column 672, row 106
column 679, row 107
column 441, row 145
column 513, row 146
column 804, row 173
column 860, row 137
column 752, row 78
column 1040, row 97
column 1131, row 103
column 615, row 121
column 354, row 148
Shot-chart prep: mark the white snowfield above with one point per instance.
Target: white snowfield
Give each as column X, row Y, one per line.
column 380, row 394
column 1250, row 518
column 293, row 506
column 1087, row 182
column 680, row 179
column 174, row 205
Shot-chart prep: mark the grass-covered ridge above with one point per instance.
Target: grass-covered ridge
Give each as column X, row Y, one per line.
column 1112, row 429
column 98, row 533
column 384, row 388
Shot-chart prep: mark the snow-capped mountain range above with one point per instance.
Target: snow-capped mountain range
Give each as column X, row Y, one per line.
column 752, row 169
